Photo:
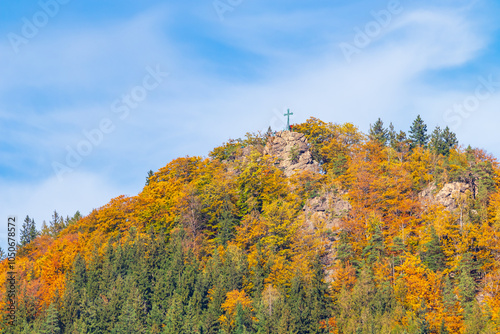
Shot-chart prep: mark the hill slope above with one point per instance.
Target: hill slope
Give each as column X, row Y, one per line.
column 319, row 230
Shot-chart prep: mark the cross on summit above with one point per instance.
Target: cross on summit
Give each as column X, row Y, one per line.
column 288, row 114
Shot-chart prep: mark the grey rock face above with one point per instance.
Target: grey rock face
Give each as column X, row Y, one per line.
column 447, row 196
column 291, row 152
column 327, row 209
column 324, row 214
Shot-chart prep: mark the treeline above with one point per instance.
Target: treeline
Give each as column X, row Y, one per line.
column 439, row 142
column 28, row 230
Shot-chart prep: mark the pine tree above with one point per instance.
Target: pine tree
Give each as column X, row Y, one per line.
column 318, row 292
column 418, row 133
column 450, row 139
column 56, row 225
column 378, row 132
column 28, row 231
column 225, row 228
column 391, row 136
column 148, row 178
column 442, row 141
column 155, row 320
column 344, row 248
column 434, row 257
column 45, row 229
column 51, row 325
column 300, row 308
column 375, row 248
column 466, row 283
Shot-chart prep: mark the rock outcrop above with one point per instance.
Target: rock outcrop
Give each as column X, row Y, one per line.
column 323, row 214
column 291, row 152
column 447, row 196
column 326, row 210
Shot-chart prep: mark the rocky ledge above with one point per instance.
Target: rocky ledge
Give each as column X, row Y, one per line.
column 291, row 152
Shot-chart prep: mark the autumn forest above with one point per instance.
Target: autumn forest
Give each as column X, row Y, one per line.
column 320, row 229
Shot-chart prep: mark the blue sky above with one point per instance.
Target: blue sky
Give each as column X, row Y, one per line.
column 197, row 73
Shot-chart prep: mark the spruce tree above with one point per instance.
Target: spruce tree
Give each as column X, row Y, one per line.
column 155, row 320
column 318, row 292
column 434, row 257
column 344, row 249
column 397, row 248
column 299, row 305
column 378, row 132
column 450, row 139
column 391, row 136
column 148, row 178
column 418, row 133
column 225, row 228
column 442, row 141
column 51, row 325
column 243, row 320
column 45, row 229
column 375, row 248
column 466, row 283
column 127, row 321
column 28, row 231
column 56, row 225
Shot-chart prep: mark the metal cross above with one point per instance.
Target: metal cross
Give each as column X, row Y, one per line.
column 288, row 114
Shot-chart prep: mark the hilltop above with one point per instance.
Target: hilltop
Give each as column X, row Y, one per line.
column 322, row 229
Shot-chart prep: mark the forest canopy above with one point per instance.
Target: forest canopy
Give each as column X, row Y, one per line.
column 395, row 232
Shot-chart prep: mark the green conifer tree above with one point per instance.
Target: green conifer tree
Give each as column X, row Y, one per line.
column 148, row 177
column 28, row 231
column 378, row 132
column 51, row 324
column 442, row 141
column 375, row 248
column 433, row 256
column 391, row 136
column 418, row 133
column 344, row 248
column 466, row 283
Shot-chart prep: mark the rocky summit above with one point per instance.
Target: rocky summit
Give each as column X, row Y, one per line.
column 291, row 152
